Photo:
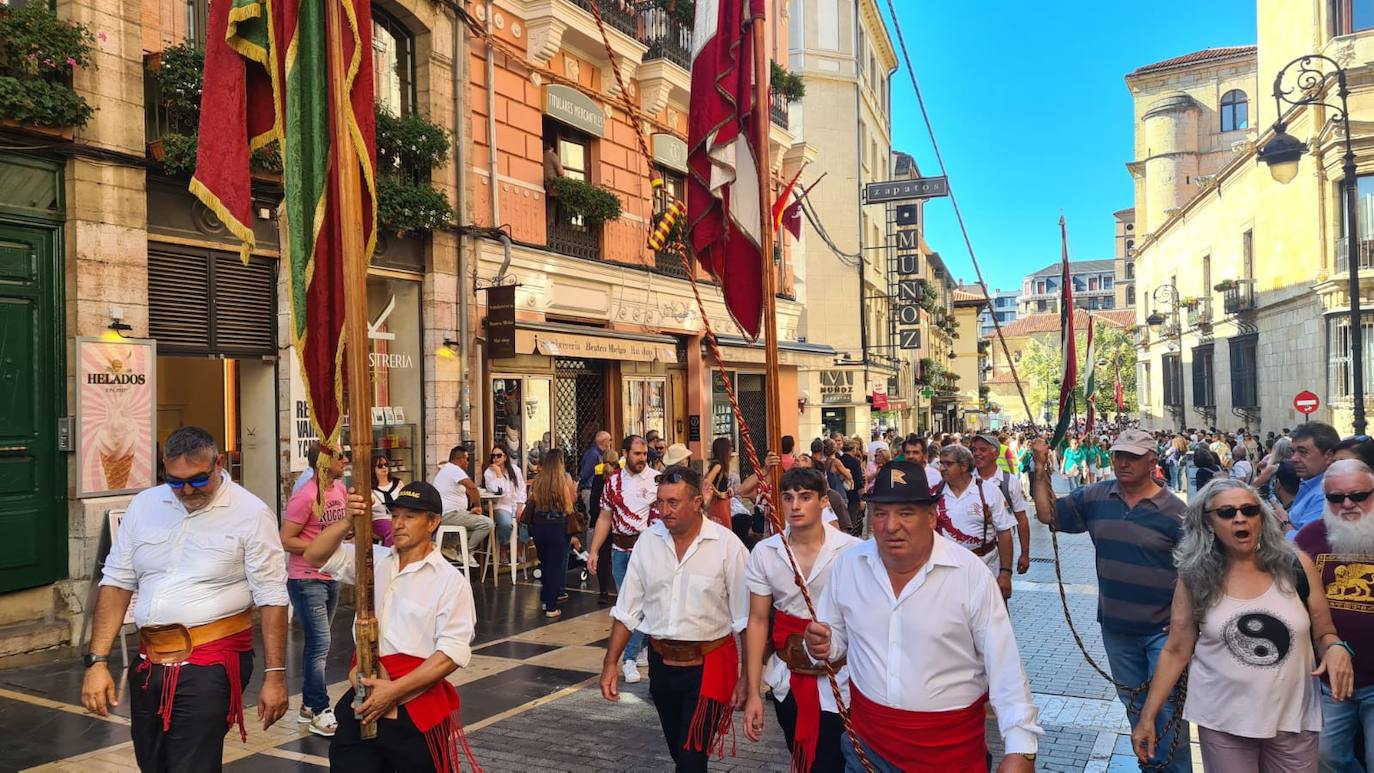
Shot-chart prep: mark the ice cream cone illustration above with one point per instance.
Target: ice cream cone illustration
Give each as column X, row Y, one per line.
column 115, row 442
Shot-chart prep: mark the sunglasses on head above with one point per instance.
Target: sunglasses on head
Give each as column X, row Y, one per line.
column 1353, row 496
column 195, row 481
column 1227, row 512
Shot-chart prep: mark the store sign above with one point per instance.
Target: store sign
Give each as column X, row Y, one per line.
column 901, row 190
column 568, row 345
column 670, row 151
column 302, row 432
column 116, row 387
column 837, row 386
column 572, row 107
column 501, row 322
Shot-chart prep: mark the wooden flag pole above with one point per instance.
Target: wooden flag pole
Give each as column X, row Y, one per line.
column 349, row 193
column 770, row 272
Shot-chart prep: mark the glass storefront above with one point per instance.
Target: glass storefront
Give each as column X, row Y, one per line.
column 522, row 417
column 645, row 406
column 397, row 374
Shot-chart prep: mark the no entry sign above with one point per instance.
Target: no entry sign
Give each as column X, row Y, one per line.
column 1306, row 402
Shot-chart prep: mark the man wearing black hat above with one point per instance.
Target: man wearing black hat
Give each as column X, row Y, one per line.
column 425, row 626
column 928, row 641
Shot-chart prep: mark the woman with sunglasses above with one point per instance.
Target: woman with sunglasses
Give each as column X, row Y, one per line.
column 1244, row 623
column 385, row 487
column 503, row 477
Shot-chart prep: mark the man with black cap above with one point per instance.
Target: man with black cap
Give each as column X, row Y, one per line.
column 1135, row 524
column 928, row 641
column 425, row 622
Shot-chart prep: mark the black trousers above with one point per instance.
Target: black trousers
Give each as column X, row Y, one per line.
column 828, row 756
column 605, row 581
column 398, row 748
column 674, row 690
column 195, row 741
column 550, row 537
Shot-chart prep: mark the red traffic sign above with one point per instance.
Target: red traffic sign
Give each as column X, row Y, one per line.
column 1306, row 402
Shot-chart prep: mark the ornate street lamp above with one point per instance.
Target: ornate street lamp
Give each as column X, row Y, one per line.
column 1282, row 154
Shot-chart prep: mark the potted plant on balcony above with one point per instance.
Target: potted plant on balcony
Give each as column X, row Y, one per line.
column 409, row 148
column 785, row 84
column 38, row 55
column 578, row 198
column 1226, row 285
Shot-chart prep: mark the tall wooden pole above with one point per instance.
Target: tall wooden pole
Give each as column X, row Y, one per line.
column 349, row 203
column 770, row 272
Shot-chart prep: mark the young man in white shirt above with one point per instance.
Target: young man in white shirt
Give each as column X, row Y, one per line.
column 802, row 697
column 928, row 642
column 986, row 450
column 684, row 587
column 201, row 552
column 462, row 501
column 425, row 623
column 974, row 517
column 627, row 508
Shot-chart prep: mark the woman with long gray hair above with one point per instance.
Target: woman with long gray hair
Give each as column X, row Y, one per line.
column 1244, row 623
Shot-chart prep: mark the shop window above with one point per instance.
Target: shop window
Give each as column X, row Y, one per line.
column 393, row 62
column 522, row 418
column 645, row 407
column 397, row 359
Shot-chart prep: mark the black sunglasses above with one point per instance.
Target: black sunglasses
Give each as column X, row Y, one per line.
column 1354, row 496
column 1227, row 512
column 195, row 481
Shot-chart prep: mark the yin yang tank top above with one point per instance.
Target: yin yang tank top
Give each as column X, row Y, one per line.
column 1251, row 673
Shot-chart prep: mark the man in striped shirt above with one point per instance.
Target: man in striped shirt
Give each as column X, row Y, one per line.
column 1134, row 524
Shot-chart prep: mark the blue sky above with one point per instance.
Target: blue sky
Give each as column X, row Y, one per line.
column 1033, row 117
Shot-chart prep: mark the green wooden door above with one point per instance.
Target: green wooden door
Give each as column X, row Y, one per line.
column 32, row 472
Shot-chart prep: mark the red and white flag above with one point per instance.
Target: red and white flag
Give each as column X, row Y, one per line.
column 724, row 220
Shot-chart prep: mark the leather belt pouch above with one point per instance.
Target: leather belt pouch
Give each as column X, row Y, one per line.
column 670, row 649
column 165, row 644
column 794, row 655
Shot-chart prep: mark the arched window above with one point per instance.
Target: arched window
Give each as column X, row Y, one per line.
column 393, row 61
column 1235, row 111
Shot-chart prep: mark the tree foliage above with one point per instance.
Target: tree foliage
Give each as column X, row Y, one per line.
column 1041, row 367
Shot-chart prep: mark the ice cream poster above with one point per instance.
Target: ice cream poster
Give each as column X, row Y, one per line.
column 115, row 432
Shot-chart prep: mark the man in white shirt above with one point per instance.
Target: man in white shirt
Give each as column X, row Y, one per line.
column 973, row 517
column 627, row 508
column 462, row 501
column 928, row 643
column 425, row 624
column 685, row 589
column 200, row 552
column 986, row 450
column 804, row 703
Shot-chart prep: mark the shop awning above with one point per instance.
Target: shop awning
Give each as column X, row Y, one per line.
column 795, row 353
column 555, row 340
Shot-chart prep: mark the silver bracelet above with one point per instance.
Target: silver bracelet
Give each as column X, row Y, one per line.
column 277, row 668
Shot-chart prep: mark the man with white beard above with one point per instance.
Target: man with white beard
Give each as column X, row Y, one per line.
column 1341, row 544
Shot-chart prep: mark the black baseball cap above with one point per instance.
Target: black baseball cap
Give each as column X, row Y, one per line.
column 420, row 496
column 900, row 482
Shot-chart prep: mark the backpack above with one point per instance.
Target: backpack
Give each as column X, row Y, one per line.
column 1300, row 581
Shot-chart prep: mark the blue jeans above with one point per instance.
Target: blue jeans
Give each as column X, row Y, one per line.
column 314, row 602
column 620, row 561
column 505, row 521
column 1341, row 722
column 1075, row 481
column 1132, row 659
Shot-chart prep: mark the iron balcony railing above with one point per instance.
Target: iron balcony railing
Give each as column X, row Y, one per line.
column 666, row 37
column 620, row 14
column 568, row 237
column 1239, row 297
column 777, row 108
column 1366, row 254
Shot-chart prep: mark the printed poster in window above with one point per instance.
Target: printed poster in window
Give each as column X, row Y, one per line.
column 116, row 386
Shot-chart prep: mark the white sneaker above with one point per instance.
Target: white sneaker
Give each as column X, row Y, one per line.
column 630, row 670
column 324, row 723
column 642, row 660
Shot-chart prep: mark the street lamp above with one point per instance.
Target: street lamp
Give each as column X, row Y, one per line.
column 1282, row 154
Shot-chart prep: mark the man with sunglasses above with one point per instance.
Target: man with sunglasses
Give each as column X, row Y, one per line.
column 200, row 552
column 1341, row 544
column 1135, row 524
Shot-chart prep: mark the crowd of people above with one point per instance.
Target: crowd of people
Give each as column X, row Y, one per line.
column 1257, row 586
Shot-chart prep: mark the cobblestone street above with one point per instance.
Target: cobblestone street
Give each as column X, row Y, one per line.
column 530, row 701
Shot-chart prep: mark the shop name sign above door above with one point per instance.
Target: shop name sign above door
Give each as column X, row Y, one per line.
column 670, row 152
column 837, row 386
column 574, row 108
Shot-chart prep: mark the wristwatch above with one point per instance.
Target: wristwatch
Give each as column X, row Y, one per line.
column 1030, row 757
column 90, row 659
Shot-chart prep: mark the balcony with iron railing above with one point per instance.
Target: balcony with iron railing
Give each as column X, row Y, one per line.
column 1239, row 296
column 777, row 108
column 1366, row 255
column 569, row 235
column 618, row 14
column 1200, row 313
column 666, row 37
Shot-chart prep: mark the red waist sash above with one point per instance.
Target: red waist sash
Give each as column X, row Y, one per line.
column 714, row 715
column 923, row 741
column 436, row 713
column 805, row 691
column 224, row 652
